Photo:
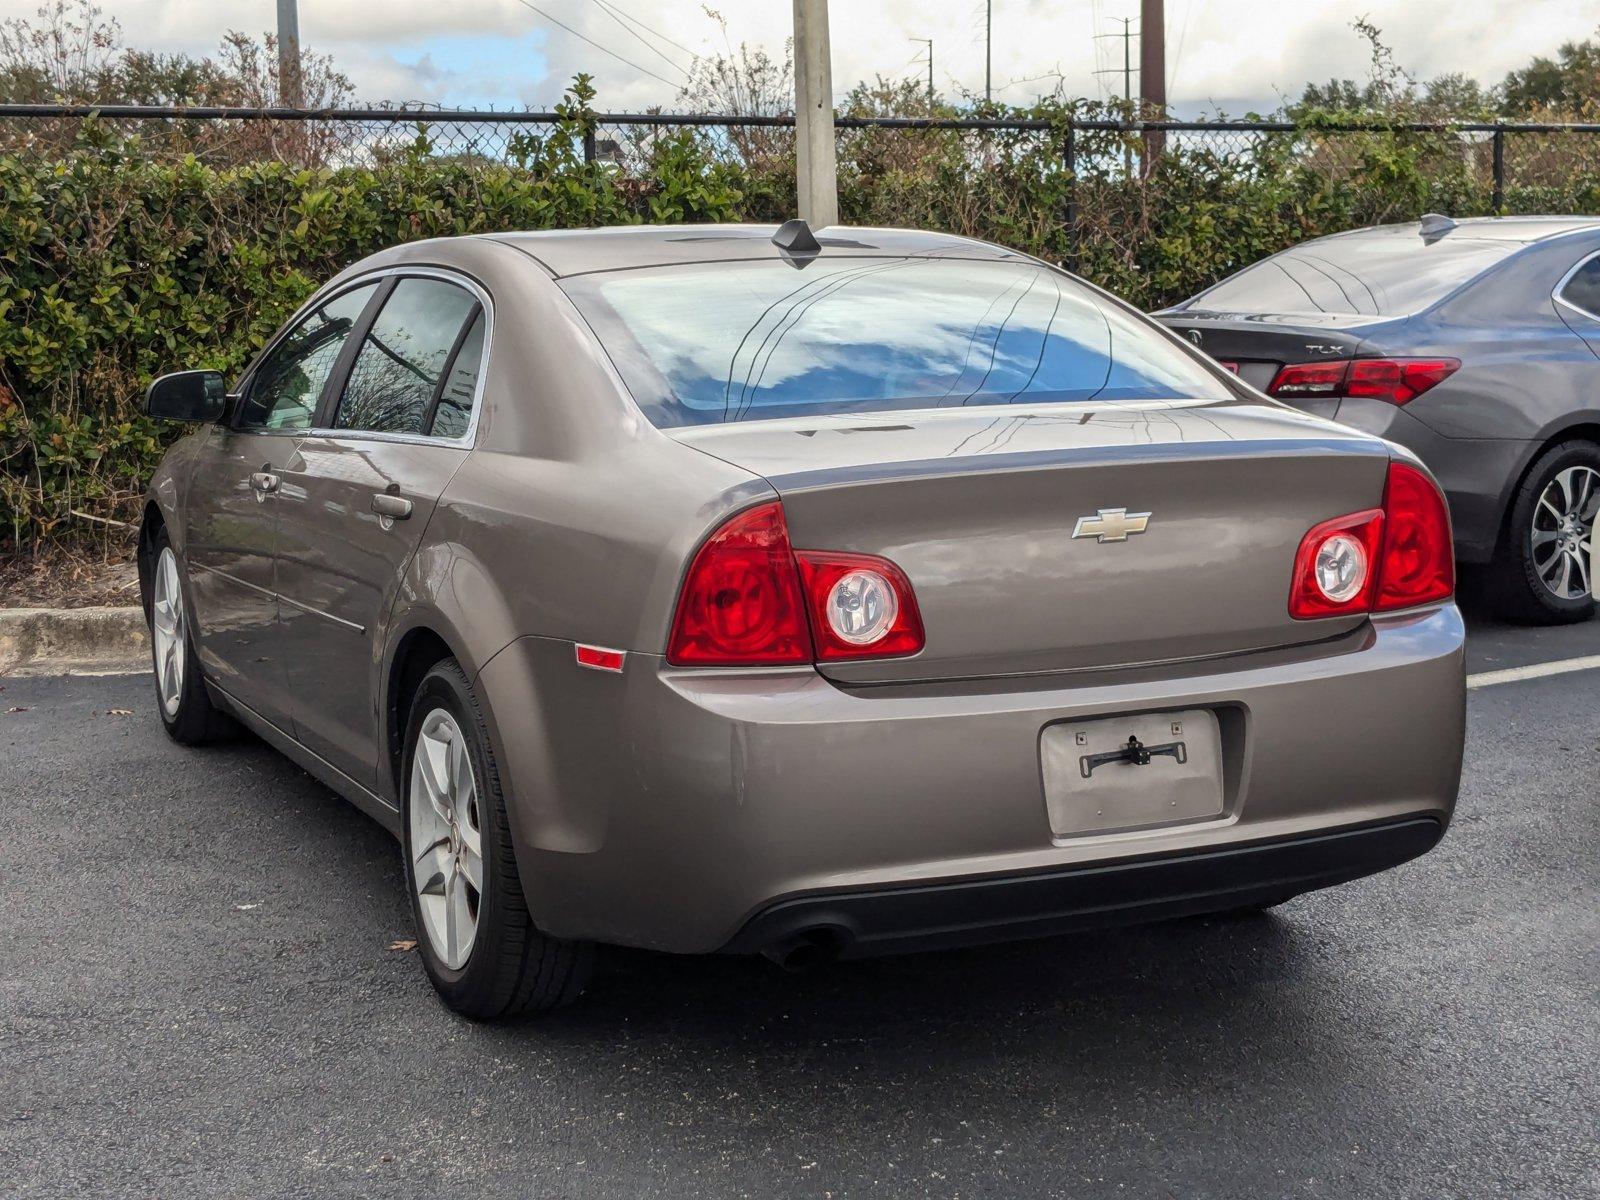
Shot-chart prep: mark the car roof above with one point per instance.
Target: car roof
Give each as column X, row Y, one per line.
column 1517, row 230
column 578, row 251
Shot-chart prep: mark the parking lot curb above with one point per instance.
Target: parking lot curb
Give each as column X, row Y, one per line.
column 73, row 641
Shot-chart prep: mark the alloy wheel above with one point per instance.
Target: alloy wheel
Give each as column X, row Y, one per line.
column 446, row 838
column 1563, row 531
column 169, row 631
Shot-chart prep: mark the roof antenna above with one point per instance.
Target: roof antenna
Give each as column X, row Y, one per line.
column 1435, row 226
column 795, row 237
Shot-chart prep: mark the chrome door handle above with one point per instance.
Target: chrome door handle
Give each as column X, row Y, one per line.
column 397, row 508
column 264, row 481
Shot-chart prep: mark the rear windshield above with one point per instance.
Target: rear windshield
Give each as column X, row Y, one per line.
column 1389, row 274
column 715, row 342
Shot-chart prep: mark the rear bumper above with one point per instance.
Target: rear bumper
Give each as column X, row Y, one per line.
column 672, row 809
column 968, row 912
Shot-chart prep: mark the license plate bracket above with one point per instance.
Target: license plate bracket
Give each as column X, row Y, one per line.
column 1134, row 771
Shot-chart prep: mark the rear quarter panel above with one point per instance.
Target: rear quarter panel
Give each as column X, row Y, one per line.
column 1525, row 375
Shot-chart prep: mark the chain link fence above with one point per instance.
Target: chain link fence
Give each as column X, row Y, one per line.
column 1499, row 160
column 1098, row 173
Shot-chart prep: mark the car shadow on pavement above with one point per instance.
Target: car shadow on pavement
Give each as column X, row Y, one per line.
column 1077, row 982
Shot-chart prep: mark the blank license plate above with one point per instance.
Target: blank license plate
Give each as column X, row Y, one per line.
column 1092, row 784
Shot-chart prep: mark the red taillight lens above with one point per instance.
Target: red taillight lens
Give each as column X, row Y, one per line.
column 1418, row 565
column 861, row 606
column 1396, row 380
column 1378, row 560
column 741, row 603
column 1335, row 567
column 1310, row 379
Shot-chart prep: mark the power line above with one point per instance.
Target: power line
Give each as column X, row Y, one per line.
column 1183, row 32
column 598, row 46
column 629, row 17
column 638, row 37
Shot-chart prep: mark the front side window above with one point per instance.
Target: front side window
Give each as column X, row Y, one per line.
column 287, row 386
column 714, row 342
column 1583, row 289
column 402, row 365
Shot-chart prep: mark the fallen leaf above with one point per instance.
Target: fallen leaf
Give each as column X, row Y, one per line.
column 119, row 712
column 403, row 944
column 17, row 708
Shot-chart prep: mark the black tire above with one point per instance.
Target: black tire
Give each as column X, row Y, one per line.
column 512, row 968
column 195, row 721
column 1514, row 585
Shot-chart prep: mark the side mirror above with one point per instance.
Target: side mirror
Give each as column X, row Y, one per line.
column 187, row 396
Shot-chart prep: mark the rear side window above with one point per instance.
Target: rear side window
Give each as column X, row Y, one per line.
column 1388, row 273
column 454, row 413
column 402, row 366
column 1583, row 289
column 716, row 342
column 285, row 389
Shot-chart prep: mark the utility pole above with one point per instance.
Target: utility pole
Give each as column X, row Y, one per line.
column 290, row 94
column 928, row 42
column 1127, row 81
column 1153, row 76
column 817, row 180
column 988, row 52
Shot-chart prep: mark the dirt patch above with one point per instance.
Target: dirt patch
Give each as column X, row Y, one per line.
column 66, row 578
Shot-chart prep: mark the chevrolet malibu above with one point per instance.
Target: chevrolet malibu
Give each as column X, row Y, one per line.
column 735, row 589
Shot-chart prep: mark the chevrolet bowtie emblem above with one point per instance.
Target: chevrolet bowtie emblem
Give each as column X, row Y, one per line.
column 1111, row 525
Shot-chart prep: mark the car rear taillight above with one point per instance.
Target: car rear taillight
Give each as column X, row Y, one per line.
column 1419, row 563
column 750, row 599
column 861, row 606
column 1396, row 380
column 1378, row 560
column 1335, row 567
column 741, row 603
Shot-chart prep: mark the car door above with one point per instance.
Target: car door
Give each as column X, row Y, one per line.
column 355, row 496
column 231, row 517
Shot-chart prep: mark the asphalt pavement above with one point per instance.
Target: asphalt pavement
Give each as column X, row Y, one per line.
column 200, row 997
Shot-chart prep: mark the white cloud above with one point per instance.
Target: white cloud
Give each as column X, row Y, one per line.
column 1228, row 54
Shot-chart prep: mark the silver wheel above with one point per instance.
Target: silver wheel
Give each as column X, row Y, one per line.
column 446, row 838
column 1563, row 531
column 169, row 630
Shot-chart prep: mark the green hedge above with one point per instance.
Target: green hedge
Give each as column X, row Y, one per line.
column 116, row 266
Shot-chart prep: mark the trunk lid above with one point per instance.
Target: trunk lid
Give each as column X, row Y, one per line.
column 979, row 508
column 1259, row 344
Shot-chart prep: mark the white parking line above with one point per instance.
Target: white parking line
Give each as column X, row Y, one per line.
column 1536, row 671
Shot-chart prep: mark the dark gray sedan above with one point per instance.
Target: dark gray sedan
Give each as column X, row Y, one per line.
column 1474, row 343
column 723, row 588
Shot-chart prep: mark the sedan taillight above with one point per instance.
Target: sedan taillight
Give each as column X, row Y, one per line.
column 1378, row 560
column 750, row 599
column 1396, row 380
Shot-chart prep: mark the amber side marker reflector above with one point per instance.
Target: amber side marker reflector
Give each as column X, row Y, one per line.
column 600, row 659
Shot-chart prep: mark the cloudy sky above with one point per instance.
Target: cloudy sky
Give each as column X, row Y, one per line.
column 1223, row 55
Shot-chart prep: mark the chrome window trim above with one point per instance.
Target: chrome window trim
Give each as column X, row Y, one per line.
column 1561, row 286
column 467, row 441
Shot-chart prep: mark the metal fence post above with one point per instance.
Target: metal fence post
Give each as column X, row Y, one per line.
column 1499, row 167
column 1070, row 163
